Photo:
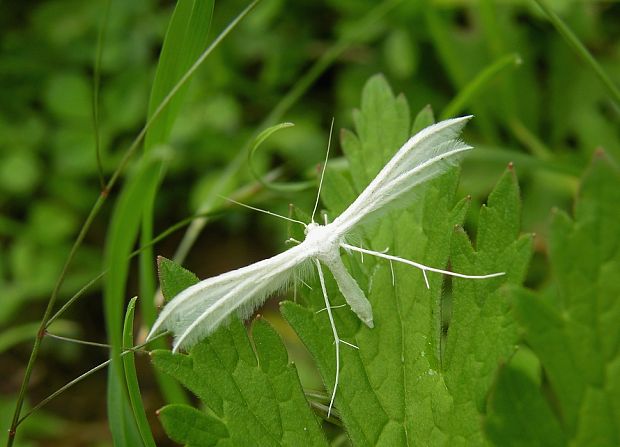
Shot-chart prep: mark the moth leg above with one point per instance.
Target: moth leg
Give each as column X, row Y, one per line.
column 392, row 268
column 335, row 333
column 428, row 286
column 422, row 267
column 333, row 307
column 350, row 344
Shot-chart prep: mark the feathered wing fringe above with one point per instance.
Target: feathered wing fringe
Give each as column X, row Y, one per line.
column 200, row 309
column 427, row 154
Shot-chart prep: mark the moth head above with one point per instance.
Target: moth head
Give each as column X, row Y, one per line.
column 322, row 241
column 310, row 228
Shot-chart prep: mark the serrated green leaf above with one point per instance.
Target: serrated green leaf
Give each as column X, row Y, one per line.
column 400, row 387
column 377, row 143
column 254, row 394
column 573, row 326
column 259, row 400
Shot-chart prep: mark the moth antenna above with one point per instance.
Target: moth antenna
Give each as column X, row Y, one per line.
column 422, row 267
column 318, row 194
column 385, row 250
column 334, row 331
column 263, row 211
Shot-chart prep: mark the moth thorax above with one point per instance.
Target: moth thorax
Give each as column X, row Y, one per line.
column 322, row 241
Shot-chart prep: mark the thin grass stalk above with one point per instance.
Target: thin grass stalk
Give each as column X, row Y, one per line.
column 95, row 211
column 578, row 47
column 81, row 377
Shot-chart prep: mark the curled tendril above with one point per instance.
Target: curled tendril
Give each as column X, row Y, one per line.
column 268, row 184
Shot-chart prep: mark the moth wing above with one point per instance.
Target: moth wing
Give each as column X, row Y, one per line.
column 200, row 309
column 427, row 154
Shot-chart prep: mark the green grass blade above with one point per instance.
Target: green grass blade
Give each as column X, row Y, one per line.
column 186, row 38
column 122, row 427
column 467, row 93
column 120, row 239
column 131, row 377
column 121, row 236
column 578, row 47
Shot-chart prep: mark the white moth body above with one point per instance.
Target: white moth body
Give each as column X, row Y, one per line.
column 202, row 308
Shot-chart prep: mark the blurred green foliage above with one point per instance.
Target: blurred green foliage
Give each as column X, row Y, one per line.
column 548, row 115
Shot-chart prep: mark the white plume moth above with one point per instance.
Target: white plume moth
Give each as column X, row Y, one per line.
column 199, row 310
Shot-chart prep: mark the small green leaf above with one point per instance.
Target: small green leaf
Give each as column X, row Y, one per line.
column 424, row 118
column 173, row 278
